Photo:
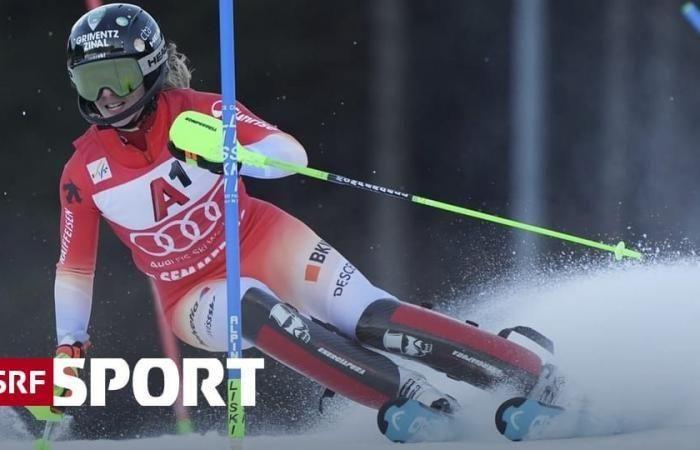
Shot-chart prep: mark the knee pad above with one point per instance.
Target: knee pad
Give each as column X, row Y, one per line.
column 334, row 361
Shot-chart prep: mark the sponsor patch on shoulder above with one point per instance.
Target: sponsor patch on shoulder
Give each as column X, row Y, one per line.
column 99, row 170
column 216, row 109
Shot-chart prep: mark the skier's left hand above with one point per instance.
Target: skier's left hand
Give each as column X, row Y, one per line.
column 193, row 157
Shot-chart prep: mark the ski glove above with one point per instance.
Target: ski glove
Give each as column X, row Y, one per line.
column 55, row 413
column 77, row 350
column 197, row 139
column 192, row 158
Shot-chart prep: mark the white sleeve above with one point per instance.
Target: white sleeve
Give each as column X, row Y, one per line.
column 278, row 146
column 73, row 302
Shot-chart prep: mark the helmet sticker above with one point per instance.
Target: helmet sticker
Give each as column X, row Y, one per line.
column 122, row 21
column 139, row 45
column 94, row 18
column 216, row 109
column 146, row 32
column 96, row 39
column 153, row 60
column 150, row 35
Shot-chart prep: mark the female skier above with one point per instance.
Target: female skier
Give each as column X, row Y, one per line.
column 131, row 85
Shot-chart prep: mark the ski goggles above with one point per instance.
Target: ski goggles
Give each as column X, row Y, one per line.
column 121, row 75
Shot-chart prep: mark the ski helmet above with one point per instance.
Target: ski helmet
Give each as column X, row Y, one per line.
column 117, row 46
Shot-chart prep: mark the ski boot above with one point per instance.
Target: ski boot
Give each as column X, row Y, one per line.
column 529, row 416
column 421, row 413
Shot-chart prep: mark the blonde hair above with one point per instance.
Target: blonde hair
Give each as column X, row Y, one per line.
column 179, row 73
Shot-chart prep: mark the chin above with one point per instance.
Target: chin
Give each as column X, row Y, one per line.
column 126, row 121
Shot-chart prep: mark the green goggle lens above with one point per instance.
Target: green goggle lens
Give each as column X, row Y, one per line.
column 122, row 76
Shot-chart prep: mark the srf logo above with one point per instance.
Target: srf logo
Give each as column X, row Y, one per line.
column 99, row 170
column 26, row 381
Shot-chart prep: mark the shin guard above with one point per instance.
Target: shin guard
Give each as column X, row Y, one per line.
column 338, row 363
column 461, row 351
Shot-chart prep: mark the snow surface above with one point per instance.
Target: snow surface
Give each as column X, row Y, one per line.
column 667, row 439
column 627, row 336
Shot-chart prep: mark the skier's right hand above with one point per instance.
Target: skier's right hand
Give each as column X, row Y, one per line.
column 75, row 350
column 55, row 413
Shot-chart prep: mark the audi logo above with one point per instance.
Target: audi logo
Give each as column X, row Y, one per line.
column 181, row 234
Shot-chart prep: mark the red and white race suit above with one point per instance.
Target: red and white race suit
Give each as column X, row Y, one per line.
column 170, row 215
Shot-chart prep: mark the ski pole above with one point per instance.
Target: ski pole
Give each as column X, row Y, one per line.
column 51, row 419
column 44, row 443
column 248, row 157
column 197, row 133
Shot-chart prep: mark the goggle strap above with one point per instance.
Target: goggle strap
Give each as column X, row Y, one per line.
column 153, row 60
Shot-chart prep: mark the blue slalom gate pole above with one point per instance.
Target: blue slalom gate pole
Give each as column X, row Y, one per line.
column 235, row 413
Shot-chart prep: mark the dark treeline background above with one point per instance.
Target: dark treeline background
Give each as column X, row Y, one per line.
column 435, row 97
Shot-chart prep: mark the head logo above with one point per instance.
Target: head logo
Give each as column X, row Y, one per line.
column 151, row 61
column 157, row 58
column 99, row 170
column 94, row 18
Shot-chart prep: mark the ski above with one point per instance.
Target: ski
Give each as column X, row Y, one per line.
column 409, row 421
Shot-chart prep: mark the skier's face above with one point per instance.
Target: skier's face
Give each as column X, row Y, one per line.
column 110, row 104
